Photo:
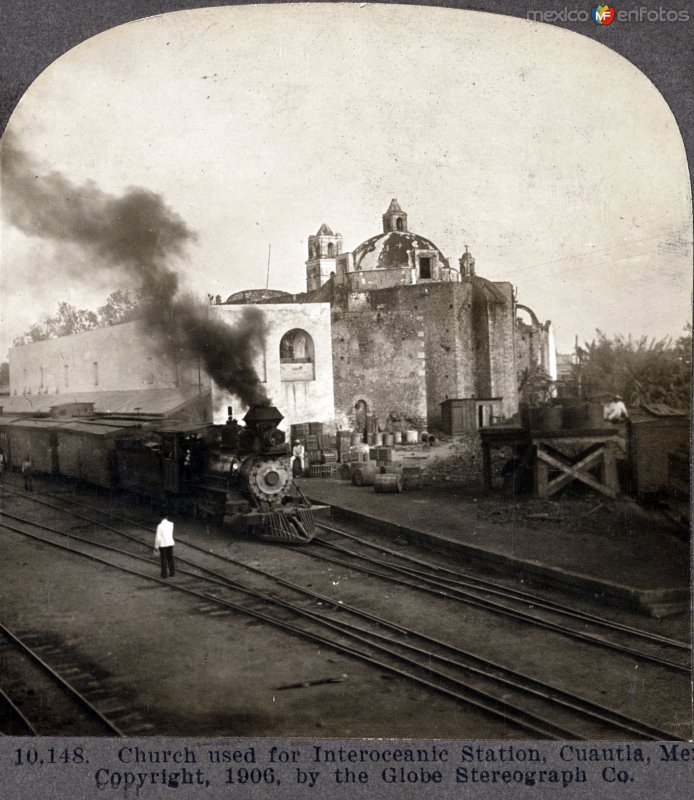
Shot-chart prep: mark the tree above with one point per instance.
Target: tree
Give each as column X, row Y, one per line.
column 535, row 387
column 640, row 370
column 119, row 307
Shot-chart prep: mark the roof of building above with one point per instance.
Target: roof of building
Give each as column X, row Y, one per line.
column 257, row 296
column 664, row 410
column 390, row 250
column 325, row 230
column 160, row 402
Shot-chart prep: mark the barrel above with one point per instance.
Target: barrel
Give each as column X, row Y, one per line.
column 596, row 415
column 344, row 472
column 388, row 440
column 397, row 437
column 356, row 438
column 387, row 483
column 552, row 418
column 424, row 437
column 583, row 416
column 547, row 418
column 411, row 437
column 363, row 475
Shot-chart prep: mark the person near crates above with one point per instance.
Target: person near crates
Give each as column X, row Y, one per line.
column 298, row 453
column 164, row 546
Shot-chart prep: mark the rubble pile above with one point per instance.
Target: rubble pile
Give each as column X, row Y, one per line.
column 459, row 459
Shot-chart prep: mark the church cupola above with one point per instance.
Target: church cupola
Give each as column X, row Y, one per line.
column 395, row 219
column 323, row 248
column 467, row 264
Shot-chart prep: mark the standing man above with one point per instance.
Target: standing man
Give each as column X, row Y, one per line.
column 27, row 467
column 164, row 545
column 3, row 463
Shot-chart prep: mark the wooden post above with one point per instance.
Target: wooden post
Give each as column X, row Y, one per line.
column 541, row 473
column 609, row 469
column 487, row 467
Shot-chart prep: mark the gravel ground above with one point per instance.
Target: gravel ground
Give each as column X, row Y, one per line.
column 190, row 673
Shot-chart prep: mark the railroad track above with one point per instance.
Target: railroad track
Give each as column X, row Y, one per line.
column 493, row 596
column 422, row 575
column 532, row 705
column 47, row 691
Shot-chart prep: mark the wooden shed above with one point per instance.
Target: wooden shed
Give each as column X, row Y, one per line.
column 468, row 414
column 652, row 440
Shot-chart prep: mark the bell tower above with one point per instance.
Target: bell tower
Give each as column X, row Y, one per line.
column 322, row 251
column 395, row 219
column 467, row 264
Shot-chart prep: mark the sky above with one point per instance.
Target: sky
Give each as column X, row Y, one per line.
column 554, row 159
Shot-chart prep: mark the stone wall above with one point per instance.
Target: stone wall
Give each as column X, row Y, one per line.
column 119, row 357
column 445, row 307
column 502, row 353
column 379, row 357
column 404, row 350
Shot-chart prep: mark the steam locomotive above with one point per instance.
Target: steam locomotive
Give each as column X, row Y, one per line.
column 240, row 475
column 254, row 467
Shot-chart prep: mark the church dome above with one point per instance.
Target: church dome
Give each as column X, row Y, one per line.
column 391, row 250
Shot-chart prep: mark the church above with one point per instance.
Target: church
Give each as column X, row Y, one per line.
column 391, row 331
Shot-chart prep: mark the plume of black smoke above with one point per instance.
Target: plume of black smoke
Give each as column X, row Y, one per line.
column 138, row 235
column 227, row 353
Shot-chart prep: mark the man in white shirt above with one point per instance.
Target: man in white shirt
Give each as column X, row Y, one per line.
column 164, row 545
column 297, row 454
column 616, row 411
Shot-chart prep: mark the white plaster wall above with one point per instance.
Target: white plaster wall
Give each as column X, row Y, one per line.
column 125, row 359
column 298, row 401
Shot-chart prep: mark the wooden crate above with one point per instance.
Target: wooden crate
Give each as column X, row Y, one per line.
column 321, row 471
column 314, row 456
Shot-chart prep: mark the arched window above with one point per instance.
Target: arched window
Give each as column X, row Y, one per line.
column 297, row 356
column 398, row 224
column 331, row 250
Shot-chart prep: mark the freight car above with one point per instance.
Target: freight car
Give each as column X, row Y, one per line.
column 238, row 474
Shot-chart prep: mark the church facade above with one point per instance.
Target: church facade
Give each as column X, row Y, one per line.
column 408, row 331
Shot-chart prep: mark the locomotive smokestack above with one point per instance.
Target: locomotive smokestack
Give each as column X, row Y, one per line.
column 135, row 235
